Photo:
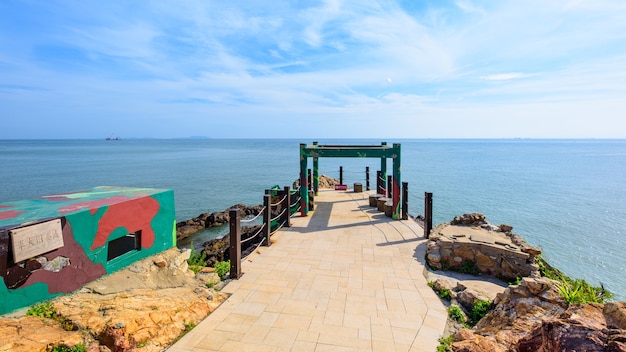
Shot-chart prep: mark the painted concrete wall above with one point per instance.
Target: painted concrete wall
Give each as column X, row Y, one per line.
column 55, row 244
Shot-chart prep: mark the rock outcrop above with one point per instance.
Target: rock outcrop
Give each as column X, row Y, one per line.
column 533, row 316
column 323, row 182
column 189, row 227
column 469, row 243
column 148, row 305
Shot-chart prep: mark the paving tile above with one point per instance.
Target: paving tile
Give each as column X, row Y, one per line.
column 329, row 284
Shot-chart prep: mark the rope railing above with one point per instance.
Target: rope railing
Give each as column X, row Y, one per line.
column 279, row 215
column 254, row 250
column 253, row 236
column 254, row 218
column 280, row 201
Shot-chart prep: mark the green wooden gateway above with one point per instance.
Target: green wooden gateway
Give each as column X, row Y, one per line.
column 55, row 244
column 382, row 151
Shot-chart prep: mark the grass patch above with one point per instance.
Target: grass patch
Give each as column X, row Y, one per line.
column 46, row 310
column 445, row 344
column 574, row 290
column 64, row 348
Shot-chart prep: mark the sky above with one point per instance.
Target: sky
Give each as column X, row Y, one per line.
column 312, row 69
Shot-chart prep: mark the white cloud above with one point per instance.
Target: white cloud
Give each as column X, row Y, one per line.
column 504, row 76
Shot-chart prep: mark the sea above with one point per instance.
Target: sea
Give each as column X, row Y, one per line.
column 566, row 197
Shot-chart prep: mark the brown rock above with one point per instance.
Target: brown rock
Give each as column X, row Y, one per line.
column 484, row 262
column 465, row 253
column 615, row 314
column 580, row 328
column 34, row 334
column 159, row 261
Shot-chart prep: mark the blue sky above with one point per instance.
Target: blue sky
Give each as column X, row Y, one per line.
column 313, row 69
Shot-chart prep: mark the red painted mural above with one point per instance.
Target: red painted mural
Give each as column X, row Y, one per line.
column 133, row 215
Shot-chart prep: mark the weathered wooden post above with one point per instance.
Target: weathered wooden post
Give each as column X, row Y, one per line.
column 389, row 186
column 341, row 175
column 379, row 185
column 287, row 205
column 235, row 244
column 367, row 178
column 267, row 219
column 428, row 213
column 405, row 200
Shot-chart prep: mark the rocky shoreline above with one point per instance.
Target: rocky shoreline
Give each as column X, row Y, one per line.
column 535, row 312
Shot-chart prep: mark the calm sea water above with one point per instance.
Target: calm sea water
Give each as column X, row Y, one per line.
column 567, row 197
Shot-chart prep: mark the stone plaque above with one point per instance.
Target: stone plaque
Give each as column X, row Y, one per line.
column 33, row 240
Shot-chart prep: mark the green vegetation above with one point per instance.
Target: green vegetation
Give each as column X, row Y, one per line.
column 42, row 310
column 480, row 309
column 64, row 348
column 574, row 290
column 456, row 314
column 46, row 310
column 444, row 293
column 188, row 327
column 445, row 344
column 468, row 267
column 197, row 260
column 222, row 268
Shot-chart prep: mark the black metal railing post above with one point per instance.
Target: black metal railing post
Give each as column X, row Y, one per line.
column 235, row 244
column 367, row 178
column 287, row 216
column 379, row 185
column 267, row 219
column 341, row 175
column 405, row 200
column 389, row 186
column 428, row 213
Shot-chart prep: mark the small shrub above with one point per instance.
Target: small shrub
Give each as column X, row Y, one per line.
column 480, row 309
column 445, row 344
column 222, row 268
column 456, row 314
column 445, row 293
column 197, row 260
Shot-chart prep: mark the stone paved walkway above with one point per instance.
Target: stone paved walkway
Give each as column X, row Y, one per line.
column 345, row 278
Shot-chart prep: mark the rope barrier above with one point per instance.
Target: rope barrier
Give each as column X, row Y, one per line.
column 253, row 236
column 254, row 218
column 279, row 215
column 298, row 209
column 279, row 202
column 296, row 202
column 252, row 251
column 279, row 227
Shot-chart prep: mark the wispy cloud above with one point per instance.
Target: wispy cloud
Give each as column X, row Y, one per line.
column 181, row 64
column 504, row 76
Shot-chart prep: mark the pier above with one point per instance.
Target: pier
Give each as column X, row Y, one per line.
column 344, row 278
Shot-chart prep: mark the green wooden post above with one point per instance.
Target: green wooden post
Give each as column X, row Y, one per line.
column 304, row 193
column 316, row 173
column 397, row 213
